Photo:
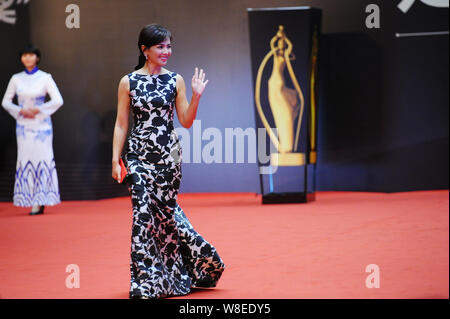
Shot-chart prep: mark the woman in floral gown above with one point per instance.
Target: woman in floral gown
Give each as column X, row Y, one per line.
column 168, row 256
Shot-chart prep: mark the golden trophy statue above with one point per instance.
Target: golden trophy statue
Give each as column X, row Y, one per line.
column 286, row 104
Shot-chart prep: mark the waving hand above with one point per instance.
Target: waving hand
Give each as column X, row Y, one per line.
column 198, row 83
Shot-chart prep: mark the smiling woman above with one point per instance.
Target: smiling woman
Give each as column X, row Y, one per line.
column 168, row 256
column 154, row 43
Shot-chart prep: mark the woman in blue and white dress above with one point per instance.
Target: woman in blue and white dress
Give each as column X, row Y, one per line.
column 36, row 180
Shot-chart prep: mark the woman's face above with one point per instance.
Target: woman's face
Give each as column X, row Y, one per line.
column 159, row 53
column 29, row 60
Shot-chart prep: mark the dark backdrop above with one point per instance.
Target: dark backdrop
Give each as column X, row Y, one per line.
column 383, row 105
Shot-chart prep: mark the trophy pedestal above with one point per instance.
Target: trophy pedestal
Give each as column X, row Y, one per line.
column 283, row 198
column 287, row 159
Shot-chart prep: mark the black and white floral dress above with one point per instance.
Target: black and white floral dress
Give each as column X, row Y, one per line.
column 168, row 256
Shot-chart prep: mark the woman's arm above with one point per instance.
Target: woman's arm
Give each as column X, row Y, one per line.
column 7, row 103
column 186, row 112
column 121, row 127
column 56, row 100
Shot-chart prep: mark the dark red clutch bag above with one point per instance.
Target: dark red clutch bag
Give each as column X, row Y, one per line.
column 123, row 172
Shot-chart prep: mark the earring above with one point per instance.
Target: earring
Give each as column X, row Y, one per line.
column 146, row 56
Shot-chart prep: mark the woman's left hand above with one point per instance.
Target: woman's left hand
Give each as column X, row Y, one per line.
column 198, row 82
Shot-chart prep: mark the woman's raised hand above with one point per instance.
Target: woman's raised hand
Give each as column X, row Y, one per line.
column 198, row 83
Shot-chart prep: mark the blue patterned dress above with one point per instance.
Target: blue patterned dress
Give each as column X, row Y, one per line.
column 36, row 180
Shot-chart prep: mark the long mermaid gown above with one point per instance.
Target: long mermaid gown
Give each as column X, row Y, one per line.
column 168, row 256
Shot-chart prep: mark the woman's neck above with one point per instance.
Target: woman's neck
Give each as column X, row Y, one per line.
column 152, row 69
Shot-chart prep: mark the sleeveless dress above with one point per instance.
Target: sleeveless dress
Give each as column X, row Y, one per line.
column 36, row 180
column 168, row 256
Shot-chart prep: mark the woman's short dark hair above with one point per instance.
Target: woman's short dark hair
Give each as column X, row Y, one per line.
column 31, row 48
column 150, row 35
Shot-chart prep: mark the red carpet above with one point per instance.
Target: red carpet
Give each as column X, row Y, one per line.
column 316, row 250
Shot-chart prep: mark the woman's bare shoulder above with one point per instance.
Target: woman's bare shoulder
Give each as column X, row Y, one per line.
column 126, row 77
column 179, row 77
column 124, row 82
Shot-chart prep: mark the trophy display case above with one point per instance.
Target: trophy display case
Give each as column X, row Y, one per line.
column 284, row 46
